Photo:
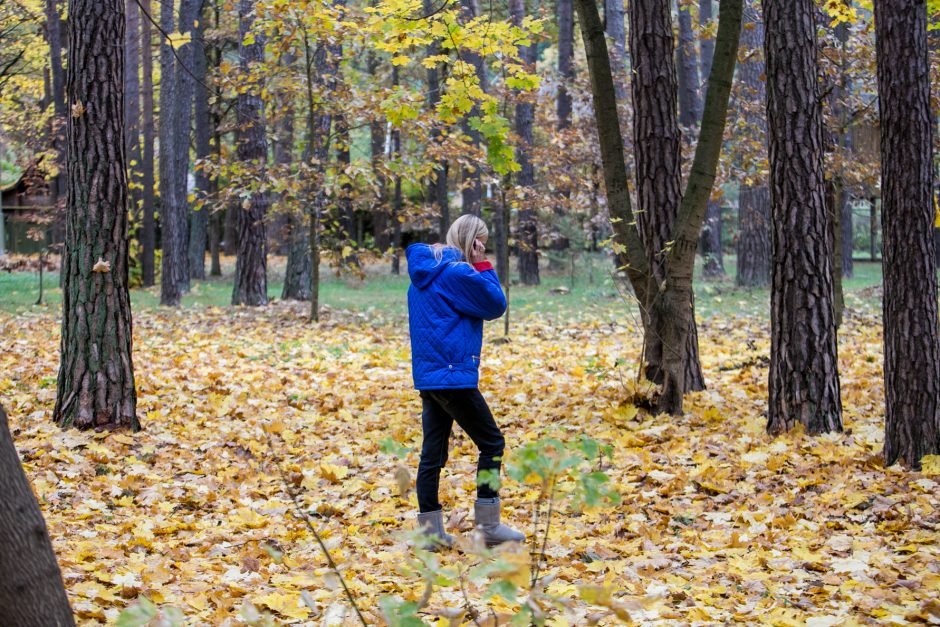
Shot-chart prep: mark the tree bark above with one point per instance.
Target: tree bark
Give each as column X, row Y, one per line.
column 96, row 373
column 176, row 110
column 658, row 145
column 714, row 267
column 132, row 106
column 912, row 348
column 690, row 103
column 527, row 238
column 148, row 238
column 31, row 588
column 58, row 78
column 397, row 193
column 706, row 44
column 437, row 181
column 753, row 246
column 199, row 217
column 251, row 262
column 804, row 376
column 674, row 309
column 565, row 63
column 471, row 189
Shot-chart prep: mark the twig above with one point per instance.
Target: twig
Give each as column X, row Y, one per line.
column 548, row 526
column 466, row 597
column 306, row 519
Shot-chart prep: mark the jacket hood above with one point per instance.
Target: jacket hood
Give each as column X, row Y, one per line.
column 423, row 268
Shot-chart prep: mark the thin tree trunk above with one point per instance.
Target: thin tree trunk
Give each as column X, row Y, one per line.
column 437, row 181
column 706, row 44
column 804, row 376
column 148, row 239
column 690, row 103
column 199, row 217
column 631, row 254
column 132, row 106
column 753, row 246
column 565, row 63
column 56, row 44
column 471, row 191
column 176, row 109
column 397, row 197
column 31, row 588
column 524, row 192
column 344, row 205
column 912, row 346
column 658, row 145
column 251, row 262
column 96, row 375
column 714, row 267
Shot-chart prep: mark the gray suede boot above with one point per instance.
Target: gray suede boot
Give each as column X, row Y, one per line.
column 486, row 514
column 431, row 525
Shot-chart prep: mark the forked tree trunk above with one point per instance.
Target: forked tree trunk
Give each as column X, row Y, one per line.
column 675, row 305
column 804, row 375
column 527, row 239
column 753, row 247
column 31, row 589
column 251, row 263
column 96, row 373
column 658, row 146
column 148, row 238
column 912, row 348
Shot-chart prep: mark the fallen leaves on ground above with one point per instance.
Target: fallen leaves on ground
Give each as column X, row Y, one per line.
column 718, row 521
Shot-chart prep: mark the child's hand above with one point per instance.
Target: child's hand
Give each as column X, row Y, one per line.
column 478, row 252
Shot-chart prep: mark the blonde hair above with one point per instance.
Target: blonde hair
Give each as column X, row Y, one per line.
column 461, row 236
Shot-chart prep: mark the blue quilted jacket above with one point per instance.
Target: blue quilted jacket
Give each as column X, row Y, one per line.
column 447, row 304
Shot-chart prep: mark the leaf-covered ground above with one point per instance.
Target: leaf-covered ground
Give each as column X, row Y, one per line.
column 718, row 521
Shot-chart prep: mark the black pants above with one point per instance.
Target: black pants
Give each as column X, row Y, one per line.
column 440, row 408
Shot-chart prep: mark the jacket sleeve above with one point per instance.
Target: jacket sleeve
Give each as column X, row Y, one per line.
column 474, row 293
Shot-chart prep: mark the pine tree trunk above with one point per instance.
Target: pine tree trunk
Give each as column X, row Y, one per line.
column 753, row 246
column 55, row 40
column 437, row 181
column 148, row 238
column 527, row 237
column 176, row 110
column 912, row 348
column 658, row 160
column 96, row 374
column 397, row 194
column 31, row 588
column 199, row 217
column 848, row 233
column 753, row 237
column 132, row 105
column 565, row 63
column 471, row 189
column 706, row 44
column 251, row 277
column 804, row 375
column 714, row 267
column 690, row 103
column 675, row 307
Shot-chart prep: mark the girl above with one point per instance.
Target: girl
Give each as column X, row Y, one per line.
column 453, row 290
